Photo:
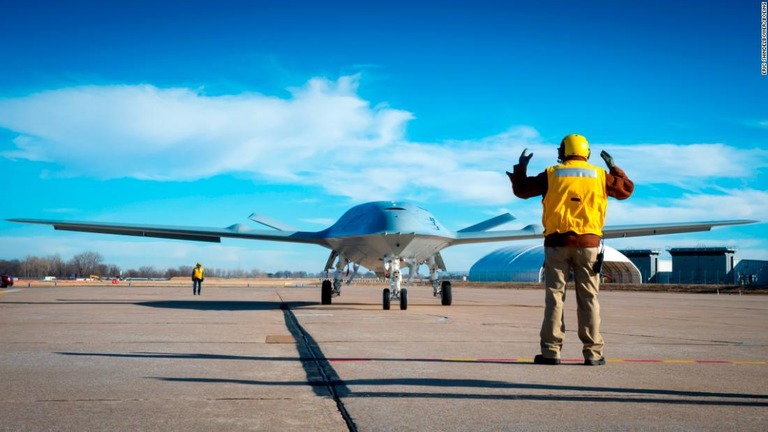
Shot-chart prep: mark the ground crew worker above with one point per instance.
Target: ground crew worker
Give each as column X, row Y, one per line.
column 574, row 199
column 198, row 276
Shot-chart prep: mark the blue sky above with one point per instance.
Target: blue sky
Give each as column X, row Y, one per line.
column 199, row 113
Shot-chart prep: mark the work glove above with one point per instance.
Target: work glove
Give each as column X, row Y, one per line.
column 608, row 159
column 525, row 157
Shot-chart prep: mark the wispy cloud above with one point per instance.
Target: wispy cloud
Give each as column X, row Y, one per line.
column 688, row 166
column 731, row 204
column 324, row 134
column 147, row 132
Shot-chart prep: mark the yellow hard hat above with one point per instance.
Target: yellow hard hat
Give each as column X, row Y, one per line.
column 198, row 264
column 573, row 145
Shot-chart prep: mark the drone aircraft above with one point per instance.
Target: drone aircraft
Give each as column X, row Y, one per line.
column 382, row 236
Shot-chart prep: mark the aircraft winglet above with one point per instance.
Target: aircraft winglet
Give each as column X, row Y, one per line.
column 270, row 222
column 488, row 224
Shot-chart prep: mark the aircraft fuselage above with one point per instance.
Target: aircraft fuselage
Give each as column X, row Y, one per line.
column 369, row 232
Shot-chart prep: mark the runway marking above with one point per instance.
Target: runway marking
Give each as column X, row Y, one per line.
column 530, row 360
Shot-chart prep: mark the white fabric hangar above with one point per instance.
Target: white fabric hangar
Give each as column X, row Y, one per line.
column 525, row 264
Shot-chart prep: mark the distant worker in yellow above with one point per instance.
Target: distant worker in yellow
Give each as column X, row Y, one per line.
column 198, row 276
column 574, row 199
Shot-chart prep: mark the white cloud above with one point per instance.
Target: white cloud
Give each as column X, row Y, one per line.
column 732, row 204
column 686, row 166
column 324, row 134
column 179, row 134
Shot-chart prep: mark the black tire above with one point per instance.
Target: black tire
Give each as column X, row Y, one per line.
column 326, row 293
column 403, row 299
column 447, row 296
column 385, row 299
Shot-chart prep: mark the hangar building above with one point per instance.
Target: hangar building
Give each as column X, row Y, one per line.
column 699, row 265
column 652, row 268
column 703, row 265
column 524, row 264
column 646, row 261
column 751, row 272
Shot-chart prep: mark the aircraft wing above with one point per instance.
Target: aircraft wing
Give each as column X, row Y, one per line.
column 207, row 234
column 182, row 232
column 620, row 231
column 609, row 232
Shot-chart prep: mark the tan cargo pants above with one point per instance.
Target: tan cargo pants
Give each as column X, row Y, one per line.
column 559, row 262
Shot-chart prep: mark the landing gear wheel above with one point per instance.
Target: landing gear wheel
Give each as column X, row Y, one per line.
column 385, row 299
column 446, row 296
column 326, row 292
column 403, row 299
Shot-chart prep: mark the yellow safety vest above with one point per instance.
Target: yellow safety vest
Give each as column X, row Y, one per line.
column 576, row 199
column 197, row 272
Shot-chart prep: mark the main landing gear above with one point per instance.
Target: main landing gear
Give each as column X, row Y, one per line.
column 445, row 293
column 394, row 293
column 329, row 289
column 326, row 292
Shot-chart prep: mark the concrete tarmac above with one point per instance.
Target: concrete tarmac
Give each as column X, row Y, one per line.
column 274, row 359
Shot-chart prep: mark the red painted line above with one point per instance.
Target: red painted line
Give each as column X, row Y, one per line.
column 530, row 360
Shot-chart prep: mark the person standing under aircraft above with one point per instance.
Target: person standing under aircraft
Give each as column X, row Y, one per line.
column 574, row 199
column 198, row 276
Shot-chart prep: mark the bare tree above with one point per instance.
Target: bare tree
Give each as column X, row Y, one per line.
column 56, row 266
column 149, row 272
column 86, row 263
column 34, row 267
column 256, row 273
column 112, row 270
column 177, row 272
column 12, row 267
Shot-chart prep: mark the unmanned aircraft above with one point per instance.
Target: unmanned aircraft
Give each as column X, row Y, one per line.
column 381, row 235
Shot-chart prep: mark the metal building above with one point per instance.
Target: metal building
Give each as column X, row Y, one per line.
column 524, row 264
column 751, row 272
column 703, row 265
column 646, row 261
